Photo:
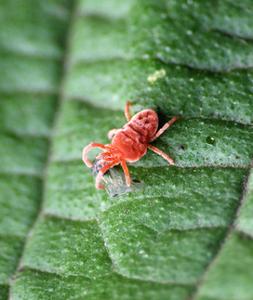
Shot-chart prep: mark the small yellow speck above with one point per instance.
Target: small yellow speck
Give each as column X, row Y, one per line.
column 156, row 75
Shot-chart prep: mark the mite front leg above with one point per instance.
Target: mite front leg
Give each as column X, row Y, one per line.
column 87, row 149
column 112, row 133
column 126, row 172
column 165, row 127
column 101, row 173
column 162, row 154
column 127, row 111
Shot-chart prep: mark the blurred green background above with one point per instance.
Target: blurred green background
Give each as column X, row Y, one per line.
column 67, row 69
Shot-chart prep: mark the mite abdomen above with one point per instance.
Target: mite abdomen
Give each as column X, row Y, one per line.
column 133, row 138
column 145, row 123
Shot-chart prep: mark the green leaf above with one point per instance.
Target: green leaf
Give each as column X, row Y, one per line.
column 68, row 68
column 234, row 272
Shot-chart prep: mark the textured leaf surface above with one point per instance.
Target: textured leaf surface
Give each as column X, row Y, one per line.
column 67, row 70
column 233, row 266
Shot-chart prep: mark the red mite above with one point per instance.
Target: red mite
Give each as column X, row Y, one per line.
column 129, row 143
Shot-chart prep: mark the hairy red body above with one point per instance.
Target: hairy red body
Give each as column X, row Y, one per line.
column 133, row 138
column 129, row 143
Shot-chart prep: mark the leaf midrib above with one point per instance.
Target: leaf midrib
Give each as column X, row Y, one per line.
column 60, row 97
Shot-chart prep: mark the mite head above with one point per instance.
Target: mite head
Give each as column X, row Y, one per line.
column 113, row 179
column 109, row 158
column 100, row 169
column 98, row 164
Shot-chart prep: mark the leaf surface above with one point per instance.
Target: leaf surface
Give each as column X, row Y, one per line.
column 68, row 70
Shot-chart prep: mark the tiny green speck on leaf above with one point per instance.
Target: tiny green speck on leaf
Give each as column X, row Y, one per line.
column 210, row 140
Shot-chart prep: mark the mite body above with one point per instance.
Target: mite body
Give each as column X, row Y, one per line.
column 128, row 144
column 133, row 138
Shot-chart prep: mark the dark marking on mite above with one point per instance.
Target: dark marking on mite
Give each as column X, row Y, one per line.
column 140, row 132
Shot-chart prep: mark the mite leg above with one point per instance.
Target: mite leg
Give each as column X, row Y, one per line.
column 101, row 173
column 128, row 116
column 87, row 149
column 127, row 111
column 111, row 133
column 126, row 172
column 165, row 127
column 162, row 154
